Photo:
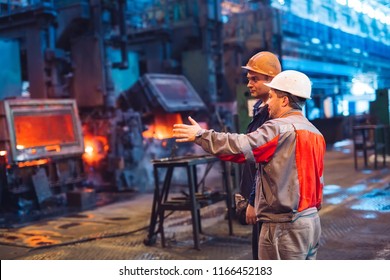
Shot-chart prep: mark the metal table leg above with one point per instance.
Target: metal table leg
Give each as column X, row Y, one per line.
column 228, row 190
column 151, row 238
column 194, row 206
column 156, row 205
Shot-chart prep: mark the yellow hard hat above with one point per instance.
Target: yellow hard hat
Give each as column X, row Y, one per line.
column 264, row 63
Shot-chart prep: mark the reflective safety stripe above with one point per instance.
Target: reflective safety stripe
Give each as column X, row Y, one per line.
column 265, row 152
column 309, row 168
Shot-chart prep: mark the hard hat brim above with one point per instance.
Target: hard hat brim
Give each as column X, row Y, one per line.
column 254, row 70
column 247, row 68
column 295, row 94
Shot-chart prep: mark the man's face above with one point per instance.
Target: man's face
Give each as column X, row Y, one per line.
column 275, row 104
column 255, row 85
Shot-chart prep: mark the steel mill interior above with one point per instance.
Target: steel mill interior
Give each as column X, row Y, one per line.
column 90, row 91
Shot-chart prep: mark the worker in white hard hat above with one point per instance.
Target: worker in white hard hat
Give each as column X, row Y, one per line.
column 290, row 153
column 294, row 85
column 261, row 68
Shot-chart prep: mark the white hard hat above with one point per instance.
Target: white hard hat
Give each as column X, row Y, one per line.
column 293, row 82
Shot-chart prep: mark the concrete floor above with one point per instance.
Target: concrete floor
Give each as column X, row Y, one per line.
column 355, row 222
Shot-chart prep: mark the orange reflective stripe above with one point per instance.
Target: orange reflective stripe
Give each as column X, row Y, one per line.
column 240, row 158
column 265, row 152
column 309, row 162
column 261, row 154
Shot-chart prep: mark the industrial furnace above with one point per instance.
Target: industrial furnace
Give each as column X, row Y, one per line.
column 161, row 100
column 41, row 147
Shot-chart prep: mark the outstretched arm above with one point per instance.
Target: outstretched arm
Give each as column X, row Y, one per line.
column 258, row 146
column 185, row 132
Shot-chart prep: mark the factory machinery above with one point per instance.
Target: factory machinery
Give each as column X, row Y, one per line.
column 87, row 99
column 89, row 90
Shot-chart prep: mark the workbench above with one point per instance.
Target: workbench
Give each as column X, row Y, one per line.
column 193, row 202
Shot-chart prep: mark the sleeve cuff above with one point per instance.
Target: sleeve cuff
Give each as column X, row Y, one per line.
column 199, row 133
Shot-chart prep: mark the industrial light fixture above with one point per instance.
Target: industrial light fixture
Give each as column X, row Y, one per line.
column 367, row 9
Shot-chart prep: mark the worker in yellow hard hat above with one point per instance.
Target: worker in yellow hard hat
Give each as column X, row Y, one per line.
column 261, row 68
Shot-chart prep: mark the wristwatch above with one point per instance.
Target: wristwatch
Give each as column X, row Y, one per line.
column 199, row 133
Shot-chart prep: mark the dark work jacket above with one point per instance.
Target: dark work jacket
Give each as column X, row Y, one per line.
column 247, row 184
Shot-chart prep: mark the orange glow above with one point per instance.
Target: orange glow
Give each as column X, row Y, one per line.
column 33, row 162
column 89, row 150
column 96, row 148
column 36, row 238
column 55, row 148
column 43, row 130
column 162, row 127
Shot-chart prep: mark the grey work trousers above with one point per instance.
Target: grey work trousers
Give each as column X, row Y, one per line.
column 296, row 240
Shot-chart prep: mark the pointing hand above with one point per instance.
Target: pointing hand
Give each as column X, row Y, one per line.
column 185, row 132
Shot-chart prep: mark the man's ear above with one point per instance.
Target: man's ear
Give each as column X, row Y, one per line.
column 285, row 101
